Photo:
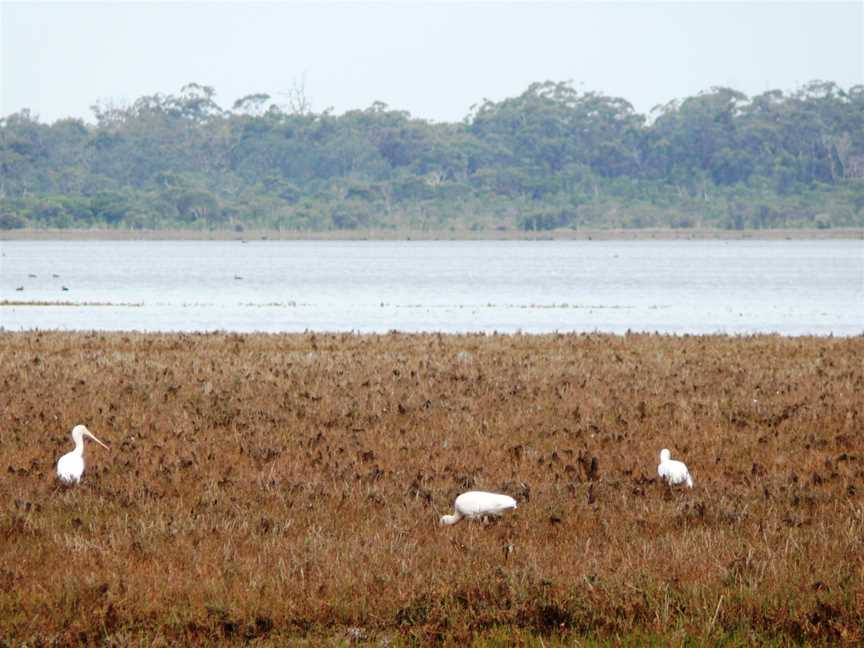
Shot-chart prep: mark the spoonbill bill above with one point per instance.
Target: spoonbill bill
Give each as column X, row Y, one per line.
column 674, row 472
column 478, row 504
column 70, row 466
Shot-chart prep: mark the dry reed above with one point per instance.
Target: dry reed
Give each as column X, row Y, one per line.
column 287, row 488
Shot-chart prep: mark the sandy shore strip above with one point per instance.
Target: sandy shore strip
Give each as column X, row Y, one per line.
column 439, row 235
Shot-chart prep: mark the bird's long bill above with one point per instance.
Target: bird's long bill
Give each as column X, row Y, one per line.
column 90, row 434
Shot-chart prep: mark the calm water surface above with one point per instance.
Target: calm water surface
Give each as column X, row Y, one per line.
column 788, row 287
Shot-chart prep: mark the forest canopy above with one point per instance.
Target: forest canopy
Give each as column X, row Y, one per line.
column 552, row 157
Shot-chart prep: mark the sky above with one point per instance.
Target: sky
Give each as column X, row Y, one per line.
column 432, row 59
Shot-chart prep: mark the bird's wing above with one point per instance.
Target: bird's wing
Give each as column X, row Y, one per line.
column 673, row 471
column 497, row 504
column 477, row 503
column 70, row 467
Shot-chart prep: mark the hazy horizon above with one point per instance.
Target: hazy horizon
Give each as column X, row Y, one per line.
column 433, row 59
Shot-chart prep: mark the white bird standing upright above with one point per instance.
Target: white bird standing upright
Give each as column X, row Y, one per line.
column 70, row 467
column 674, row 472
column 476, row 504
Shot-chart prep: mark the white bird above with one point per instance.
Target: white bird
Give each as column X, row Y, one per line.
column 674, row 472
column 70, row 466
column 477, row 504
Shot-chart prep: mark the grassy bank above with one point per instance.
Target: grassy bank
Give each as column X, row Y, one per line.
column 288, row 487
column 454, row 234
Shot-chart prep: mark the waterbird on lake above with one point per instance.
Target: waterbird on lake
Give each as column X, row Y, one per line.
column 70, row 467
column 478, row 504
column 64, row 288
column 32, row 276
column 20, row 288
column 673, row 472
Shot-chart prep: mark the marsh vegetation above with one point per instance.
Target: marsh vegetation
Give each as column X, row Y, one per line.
column 289, row 487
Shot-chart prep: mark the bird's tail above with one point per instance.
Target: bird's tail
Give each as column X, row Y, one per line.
column 689, row 481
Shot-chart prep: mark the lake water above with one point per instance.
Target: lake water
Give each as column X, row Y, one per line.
column 787, row 287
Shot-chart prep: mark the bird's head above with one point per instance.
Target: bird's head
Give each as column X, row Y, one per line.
column 665, row 455
column 81, row 431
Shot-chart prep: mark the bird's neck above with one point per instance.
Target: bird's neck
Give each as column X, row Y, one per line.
column 79, row 447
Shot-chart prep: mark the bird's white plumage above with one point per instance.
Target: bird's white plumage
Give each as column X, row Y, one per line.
column 674, row 472
column 477, row 504
column 70, row 466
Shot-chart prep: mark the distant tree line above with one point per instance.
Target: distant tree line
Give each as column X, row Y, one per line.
column 550, row 158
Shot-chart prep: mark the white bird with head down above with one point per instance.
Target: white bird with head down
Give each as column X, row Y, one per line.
column 70, row 467
column 477, row 504
column 673, row 472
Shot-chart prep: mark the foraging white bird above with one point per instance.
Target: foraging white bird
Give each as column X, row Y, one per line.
column 70, row 467
column 674, row 472
column 476, row 504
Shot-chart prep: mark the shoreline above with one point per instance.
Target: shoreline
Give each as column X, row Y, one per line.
column 419, row 337
column 659, row 234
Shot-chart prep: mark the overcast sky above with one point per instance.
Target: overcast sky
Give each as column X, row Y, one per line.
column 434, row 59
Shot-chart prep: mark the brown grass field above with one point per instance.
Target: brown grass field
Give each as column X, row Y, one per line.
column 285, row 490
